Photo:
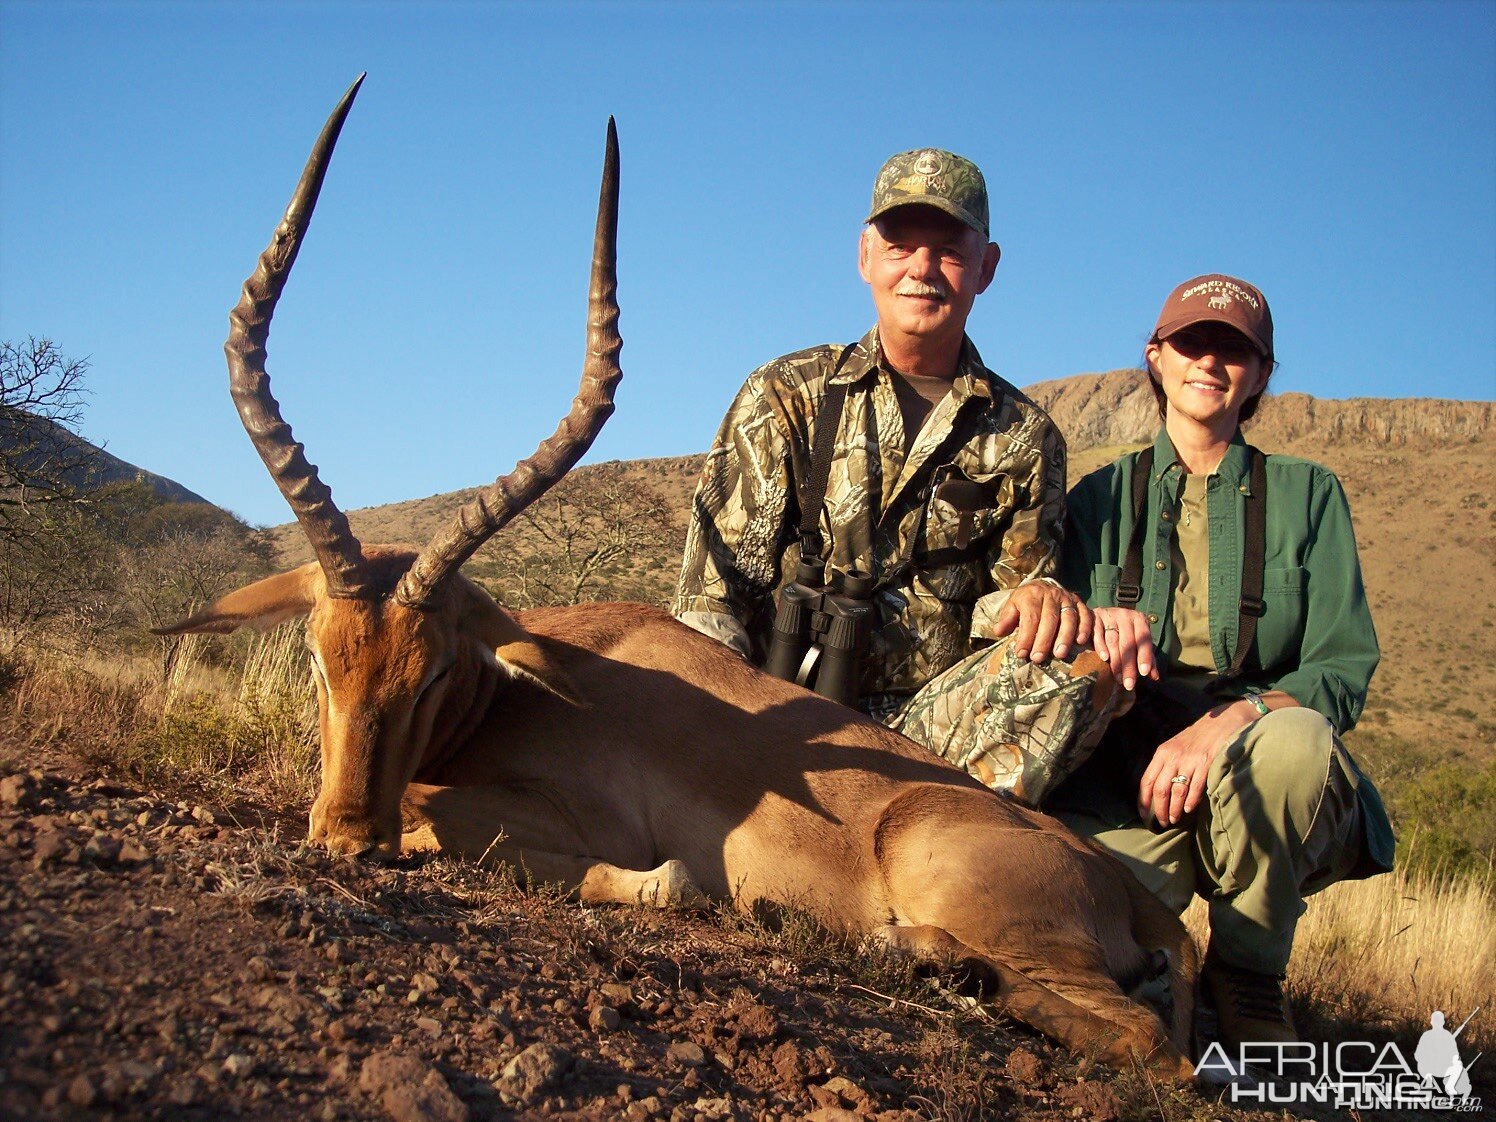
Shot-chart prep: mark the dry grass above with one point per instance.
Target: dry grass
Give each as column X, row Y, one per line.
column 245, row 730
column 1373, row 958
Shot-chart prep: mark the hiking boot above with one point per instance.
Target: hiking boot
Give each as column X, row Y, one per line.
column 1250, row 1007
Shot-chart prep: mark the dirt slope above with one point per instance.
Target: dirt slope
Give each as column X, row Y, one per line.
column 168, row 960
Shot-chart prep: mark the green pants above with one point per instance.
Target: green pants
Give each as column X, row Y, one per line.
column 1280, row 821
column 1018, row 726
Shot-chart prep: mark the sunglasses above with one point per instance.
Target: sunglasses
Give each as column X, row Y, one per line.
column 1223, row 342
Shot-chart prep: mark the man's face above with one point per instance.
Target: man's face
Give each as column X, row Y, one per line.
column 925, row 269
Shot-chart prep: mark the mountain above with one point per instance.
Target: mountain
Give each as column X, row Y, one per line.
column 86, row 465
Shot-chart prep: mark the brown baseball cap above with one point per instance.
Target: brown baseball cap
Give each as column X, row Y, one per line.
column 932, row 177
column 1217, row 298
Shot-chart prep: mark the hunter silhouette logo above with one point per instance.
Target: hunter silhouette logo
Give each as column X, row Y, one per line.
column 1351, row 1074
column 1438, row 1057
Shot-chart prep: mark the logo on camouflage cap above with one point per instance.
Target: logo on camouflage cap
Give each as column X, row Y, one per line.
column 932, row 177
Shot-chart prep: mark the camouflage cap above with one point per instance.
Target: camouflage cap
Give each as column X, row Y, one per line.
column 932, row 177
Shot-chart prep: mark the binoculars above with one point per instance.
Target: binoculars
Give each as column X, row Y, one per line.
column 822, row 631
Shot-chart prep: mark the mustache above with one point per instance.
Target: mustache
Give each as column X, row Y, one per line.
column 918, row 288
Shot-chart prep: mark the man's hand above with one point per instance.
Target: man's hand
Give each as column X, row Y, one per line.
column 1043, row 619
column 1124, row 641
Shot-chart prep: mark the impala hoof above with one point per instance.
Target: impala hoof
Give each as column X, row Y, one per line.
column 671, row 886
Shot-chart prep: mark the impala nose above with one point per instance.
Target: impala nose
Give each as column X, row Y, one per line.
column 346, row 834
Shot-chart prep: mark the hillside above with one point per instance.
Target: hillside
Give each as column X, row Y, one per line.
column 89, row 466
column 1428, row 553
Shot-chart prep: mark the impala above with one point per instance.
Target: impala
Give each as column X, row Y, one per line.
column 612, row 750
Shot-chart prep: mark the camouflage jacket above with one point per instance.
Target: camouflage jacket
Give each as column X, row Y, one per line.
column 941, row 572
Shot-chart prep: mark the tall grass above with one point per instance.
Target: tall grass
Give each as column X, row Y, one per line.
column 245, row 729
column 1378, row 956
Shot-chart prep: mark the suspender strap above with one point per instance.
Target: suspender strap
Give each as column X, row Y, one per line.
column 1130, row 584
column 1254, row 552
column 813, row 496
column 1253, row 558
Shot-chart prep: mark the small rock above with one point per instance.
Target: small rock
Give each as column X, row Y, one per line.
column 1023, row 1066
column 604, row 1019
column 102, row 848
column 713, row 1108
column 238, row 1065
column 424, row 983
column 54, row 846
column 834, row 1114
column 18, row 791
column 82, row 1092
column 133, row 853
column 851, row 1095
column 409, row 1090
column 429, row 1025
column 532, row 1072
column 1095, row 1101
column 389, row 1069
column 687, row 1053
column 616, row 994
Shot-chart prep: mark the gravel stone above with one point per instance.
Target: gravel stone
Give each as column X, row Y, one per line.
column 687, row 1053
column 532, row 1072
column 604, row 1019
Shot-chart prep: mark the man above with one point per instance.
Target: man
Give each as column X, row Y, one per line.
column 945, row 484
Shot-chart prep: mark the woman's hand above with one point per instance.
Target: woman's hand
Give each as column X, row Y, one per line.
column 1174, row 783
column 1124, row 641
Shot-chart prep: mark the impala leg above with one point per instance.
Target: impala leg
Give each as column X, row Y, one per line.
column 495, row 826
column 1092, row 1014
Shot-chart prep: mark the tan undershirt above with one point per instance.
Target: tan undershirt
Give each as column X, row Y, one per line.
column 1187, row 642
column 917, row 395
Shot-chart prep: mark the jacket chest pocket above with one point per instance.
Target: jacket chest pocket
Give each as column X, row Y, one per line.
column 962, row 515
column 1280, row 631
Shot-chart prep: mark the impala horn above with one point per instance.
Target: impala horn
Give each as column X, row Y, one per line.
column 326, row 528
column 499, row 502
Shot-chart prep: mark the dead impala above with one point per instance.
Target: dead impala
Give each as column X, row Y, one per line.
column 619, row 753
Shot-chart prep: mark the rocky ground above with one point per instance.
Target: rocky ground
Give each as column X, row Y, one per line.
column 160, row 958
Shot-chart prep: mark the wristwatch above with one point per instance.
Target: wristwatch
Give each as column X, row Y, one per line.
column 1254, row 699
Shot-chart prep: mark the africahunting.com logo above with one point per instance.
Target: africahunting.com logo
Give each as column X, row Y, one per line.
column 1350, row 1075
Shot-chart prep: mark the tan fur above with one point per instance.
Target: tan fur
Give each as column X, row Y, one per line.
column 610, row 749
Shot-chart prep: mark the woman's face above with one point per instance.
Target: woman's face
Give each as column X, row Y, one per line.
column 1208, row 371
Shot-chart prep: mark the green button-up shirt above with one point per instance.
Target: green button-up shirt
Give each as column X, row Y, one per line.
column 1315, row 640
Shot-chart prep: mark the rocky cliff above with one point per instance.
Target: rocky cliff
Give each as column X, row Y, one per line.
column 1103, row 410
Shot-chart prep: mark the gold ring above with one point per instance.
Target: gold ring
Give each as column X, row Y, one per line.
column 1114, row 627
column 1178, row 779
column 1066, row 608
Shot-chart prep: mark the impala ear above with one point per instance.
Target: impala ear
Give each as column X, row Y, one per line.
column 261, row 605
column 516, row 649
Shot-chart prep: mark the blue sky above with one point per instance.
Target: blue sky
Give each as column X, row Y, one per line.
column 1340, row 156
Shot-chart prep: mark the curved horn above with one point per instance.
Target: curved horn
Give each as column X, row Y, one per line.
column 499, row 502
column 332, row 540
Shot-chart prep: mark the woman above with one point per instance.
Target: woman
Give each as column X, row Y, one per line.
column 1239, row 598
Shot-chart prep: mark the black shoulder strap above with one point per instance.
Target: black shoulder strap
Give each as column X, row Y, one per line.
column 1254, row 552
column 1253, row 558
column 813, row 495
column 1130, row 584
